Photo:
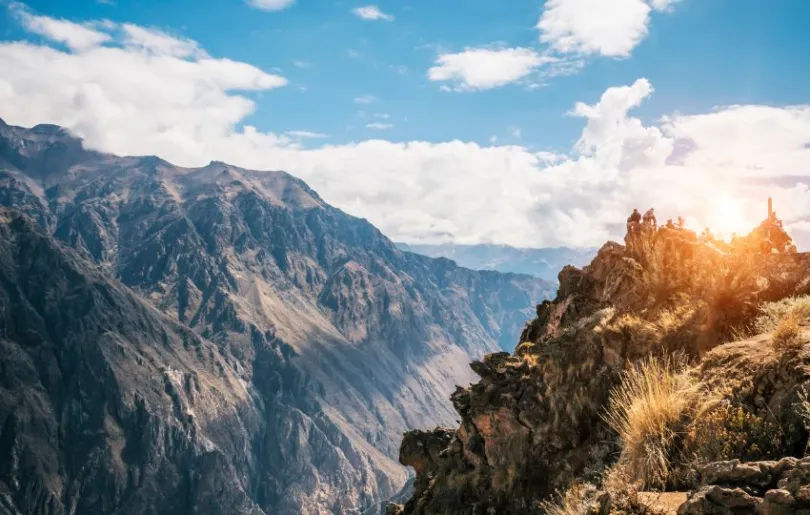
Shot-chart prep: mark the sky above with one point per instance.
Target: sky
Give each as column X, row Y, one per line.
column 528, row 123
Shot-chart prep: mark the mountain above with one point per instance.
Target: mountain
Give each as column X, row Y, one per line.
column 217, row 340
column 667, row 374
column 543, row 262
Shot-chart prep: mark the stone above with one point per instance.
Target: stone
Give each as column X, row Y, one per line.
column 716, row 500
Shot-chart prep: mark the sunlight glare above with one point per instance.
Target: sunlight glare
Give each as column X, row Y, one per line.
column 728, row 217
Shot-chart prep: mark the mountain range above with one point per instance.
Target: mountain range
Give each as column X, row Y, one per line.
column 216, row 340
column 545, row 263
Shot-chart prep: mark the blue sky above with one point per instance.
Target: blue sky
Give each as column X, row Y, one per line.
column 528, row 123
column 700, row 55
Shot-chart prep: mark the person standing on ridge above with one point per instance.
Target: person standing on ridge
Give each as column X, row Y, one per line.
column 649, row 218
column 634, row 218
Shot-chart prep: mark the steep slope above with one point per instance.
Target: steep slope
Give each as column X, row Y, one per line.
column 106, row 405
column 535, row 422
column 540, row 262
column 347, row 340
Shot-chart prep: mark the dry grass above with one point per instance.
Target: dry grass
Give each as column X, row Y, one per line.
column 617, row 495
column 647, row 410
column 787, row 337
column 576, row 500
column 772, row 313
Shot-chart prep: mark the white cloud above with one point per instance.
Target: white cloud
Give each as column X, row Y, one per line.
column 270, row 5
column 73, row 35
column 306, row 134
column 486, row 68
column 379, row 126
column 159, row 43
column 715, row 168
column 145, row 79
column 301, row 64
column 365, row 99
column 515, row 132
column 372, row 12
column 611, row 28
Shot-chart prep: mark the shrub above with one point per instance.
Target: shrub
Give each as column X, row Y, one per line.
column 772, row 313
column 647, row 410
column 731, row 432
column 787, row 337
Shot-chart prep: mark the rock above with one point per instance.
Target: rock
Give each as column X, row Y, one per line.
column 752, row 476
column 422, row 450
column 716, row 500
column 777, row 502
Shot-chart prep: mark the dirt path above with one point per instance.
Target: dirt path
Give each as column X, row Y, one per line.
column 666, row 501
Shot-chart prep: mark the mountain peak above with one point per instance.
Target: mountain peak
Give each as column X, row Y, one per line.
column 48, row 129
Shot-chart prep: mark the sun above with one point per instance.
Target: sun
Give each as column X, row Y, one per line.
column 727, row 217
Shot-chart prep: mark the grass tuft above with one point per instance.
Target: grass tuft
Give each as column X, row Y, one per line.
column 787, row 337
column 772, row 313
column 646, row 410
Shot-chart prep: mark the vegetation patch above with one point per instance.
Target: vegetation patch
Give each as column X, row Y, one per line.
column 732, row 432
column 647, row 410
column 771, row 314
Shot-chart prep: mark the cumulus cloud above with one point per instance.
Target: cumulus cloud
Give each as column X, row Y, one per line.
column 73, row 35
column 611, row 28
column 486, row 68
column 572, row 30
column 270, row 5
column 141, row 78
column 715, row 168
column 379, row 126
column 372, row 12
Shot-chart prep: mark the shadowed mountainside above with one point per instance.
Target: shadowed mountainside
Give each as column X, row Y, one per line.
column 336, row 340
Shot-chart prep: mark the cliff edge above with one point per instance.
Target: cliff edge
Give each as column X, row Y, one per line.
column 654, row 368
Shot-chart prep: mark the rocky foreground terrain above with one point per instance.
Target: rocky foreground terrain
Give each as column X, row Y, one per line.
column 216, row 340
column 665, row 365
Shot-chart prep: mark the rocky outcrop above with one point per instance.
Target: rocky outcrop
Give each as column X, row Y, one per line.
column 765, row 488
column 342, row 340
column 534, row 423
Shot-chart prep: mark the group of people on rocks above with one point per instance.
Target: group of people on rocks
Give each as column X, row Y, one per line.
column 768, row 237
column 636, row 219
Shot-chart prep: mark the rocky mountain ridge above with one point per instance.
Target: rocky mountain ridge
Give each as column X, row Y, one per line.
column 662, row 359
column 337, row 340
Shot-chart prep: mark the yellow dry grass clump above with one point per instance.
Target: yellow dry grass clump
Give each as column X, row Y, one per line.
column 783, row 318
column 576, row 500
column 787, row 337
column 646, row 410
column 772, row 313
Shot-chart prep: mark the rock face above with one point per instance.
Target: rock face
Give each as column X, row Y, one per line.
column 314, row 340
column 107, row 405
column 534, row 423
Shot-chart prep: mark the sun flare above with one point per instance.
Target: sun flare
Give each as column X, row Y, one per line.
column 727, row 217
